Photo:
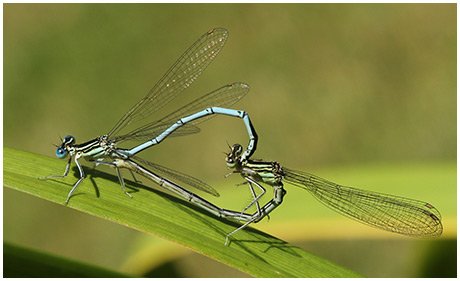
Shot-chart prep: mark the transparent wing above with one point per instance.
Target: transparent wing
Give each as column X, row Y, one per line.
column 184, row 178
column 391, row 213
column 225, row 96
column 179, row 77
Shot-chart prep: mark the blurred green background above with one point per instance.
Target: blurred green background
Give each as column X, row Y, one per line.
column 361, row 94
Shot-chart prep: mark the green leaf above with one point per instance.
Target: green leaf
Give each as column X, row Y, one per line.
column 166, row 216
column 19, row 262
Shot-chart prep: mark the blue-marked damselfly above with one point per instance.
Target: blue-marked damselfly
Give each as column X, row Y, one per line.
column 384, row 211
column 104, row 149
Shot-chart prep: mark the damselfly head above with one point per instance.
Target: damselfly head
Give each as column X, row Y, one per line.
column 62, row 150
column 68, row 140
column 233, row 156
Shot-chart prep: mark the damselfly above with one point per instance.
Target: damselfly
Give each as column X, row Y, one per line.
column 104, row 150
column 387, row 212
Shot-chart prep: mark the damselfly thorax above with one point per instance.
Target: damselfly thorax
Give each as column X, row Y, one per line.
column 269, row 172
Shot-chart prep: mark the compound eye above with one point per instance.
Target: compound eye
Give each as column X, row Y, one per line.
column 238, row 149
column 61, row 152
column 68, row 140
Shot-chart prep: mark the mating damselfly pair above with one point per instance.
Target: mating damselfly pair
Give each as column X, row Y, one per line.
column 392, row 213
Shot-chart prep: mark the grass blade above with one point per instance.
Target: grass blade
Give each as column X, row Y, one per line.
column 166, row 216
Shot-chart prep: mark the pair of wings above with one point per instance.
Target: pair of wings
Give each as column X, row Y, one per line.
column 179, row 77
column 388, row 212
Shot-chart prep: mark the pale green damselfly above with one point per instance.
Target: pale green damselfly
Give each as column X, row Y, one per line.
column 384, row 211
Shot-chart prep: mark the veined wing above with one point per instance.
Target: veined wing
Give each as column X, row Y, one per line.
column 225, row 96
column 179, row 77
column 189, row 180
column 388, row 212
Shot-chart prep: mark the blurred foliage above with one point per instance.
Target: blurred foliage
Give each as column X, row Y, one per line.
column 332, row 85
column 20, row 262
column 338, row 83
